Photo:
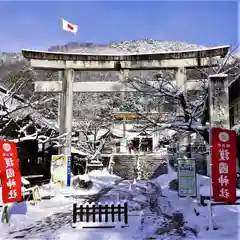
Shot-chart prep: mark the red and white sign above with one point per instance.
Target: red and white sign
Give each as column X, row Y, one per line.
column 10, row 173
column 224, row 165
column 67, row 26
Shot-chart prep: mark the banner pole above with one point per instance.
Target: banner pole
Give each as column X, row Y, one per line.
column 210, row 179
column 210, row 154
column 210, row 187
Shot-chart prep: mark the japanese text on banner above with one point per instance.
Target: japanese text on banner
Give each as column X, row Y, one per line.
column 10, row 173
column 224, row 165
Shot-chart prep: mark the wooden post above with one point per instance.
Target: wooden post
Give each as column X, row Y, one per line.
column 100, row 212
column 106, row 213
column 36, row 194
column 119, row 212
column 75, row 213
column 125, row 213
column 81, row 213
column 112, row 211
column 87, row 213
column 94, row 213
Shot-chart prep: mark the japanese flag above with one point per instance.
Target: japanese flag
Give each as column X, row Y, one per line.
column 67, row 26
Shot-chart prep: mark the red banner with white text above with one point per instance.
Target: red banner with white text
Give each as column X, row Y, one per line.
column 224, row 165
column 10, row 173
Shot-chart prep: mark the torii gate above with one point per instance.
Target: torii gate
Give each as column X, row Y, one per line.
column 68, row 63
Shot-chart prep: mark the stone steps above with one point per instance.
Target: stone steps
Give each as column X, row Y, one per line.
column 125, row 165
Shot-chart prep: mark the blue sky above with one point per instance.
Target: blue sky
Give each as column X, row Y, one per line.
column 37, row 25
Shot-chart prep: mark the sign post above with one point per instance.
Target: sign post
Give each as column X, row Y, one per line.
column 187, row 181
column 61, row 170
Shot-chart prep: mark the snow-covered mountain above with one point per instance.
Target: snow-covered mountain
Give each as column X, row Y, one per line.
column 133, row 46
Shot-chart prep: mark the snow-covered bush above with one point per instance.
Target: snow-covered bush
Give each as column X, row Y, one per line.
column 82, row 182
column 85, row 184
column 173, row 185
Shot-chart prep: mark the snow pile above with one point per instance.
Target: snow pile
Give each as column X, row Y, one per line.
column 104, row 175
column 101, row 180
column 101, row 173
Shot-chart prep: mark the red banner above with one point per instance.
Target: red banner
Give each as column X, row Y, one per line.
column 224, row 165
column 10, row 173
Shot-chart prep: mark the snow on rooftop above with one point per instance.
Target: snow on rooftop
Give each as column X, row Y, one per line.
column 110, row 51
column 16, row 101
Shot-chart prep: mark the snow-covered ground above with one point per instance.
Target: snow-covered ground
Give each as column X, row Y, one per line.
column 51, row 219
column 48, row 216
column 225, row 218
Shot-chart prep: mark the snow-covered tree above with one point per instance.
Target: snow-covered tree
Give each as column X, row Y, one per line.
column 94, row 128
column 20, row 115
column 180, row 110
column 94, row 121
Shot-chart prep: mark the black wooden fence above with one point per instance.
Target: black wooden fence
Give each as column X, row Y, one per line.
column 100, row 213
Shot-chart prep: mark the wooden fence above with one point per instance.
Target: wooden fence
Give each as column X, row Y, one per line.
column 100, row 214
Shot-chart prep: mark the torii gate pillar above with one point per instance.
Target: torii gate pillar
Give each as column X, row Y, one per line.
column 66, row 107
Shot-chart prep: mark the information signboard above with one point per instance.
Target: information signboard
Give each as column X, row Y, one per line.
column 61, row 169
column 187, row 181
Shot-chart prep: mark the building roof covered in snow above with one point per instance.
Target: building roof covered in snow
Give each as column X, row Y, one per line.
column 11, row 102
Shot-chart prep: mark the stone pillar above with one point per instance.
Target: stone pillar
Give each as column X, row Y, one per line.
column 66, row 108
column 218, row 105
column 61, row 107
column 181, row 78
column 181, row 83
column 219, row 101
column 61, row 111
